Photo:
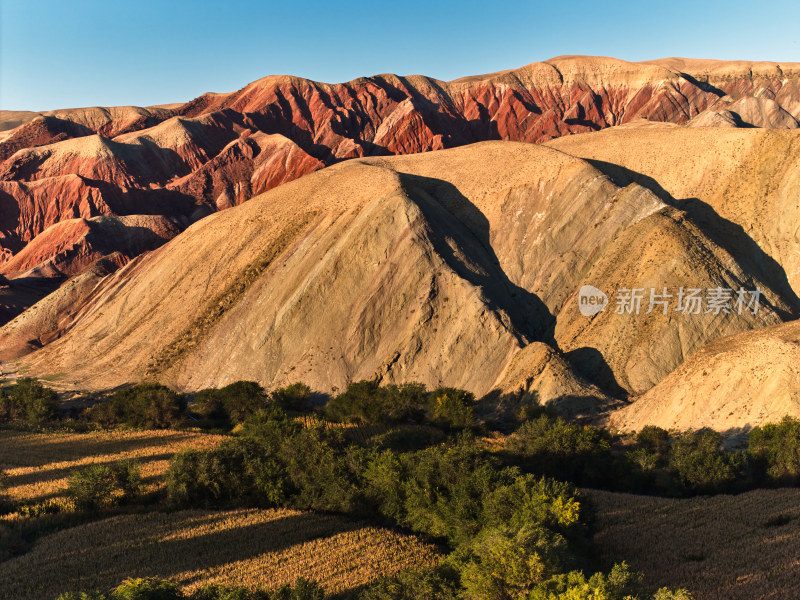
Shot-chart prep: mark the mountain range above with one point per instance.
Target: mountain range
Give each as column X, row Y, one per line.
column 409, row 229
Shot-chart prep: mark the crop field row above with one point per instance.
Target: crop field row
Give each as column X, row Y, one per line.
column 37, row 466
column 742, row 547
column 242, row 547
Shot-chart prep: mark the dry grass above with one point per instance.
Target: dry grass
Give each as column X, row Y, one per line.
column 38, row 465
column 243, row 547
column 744, row 547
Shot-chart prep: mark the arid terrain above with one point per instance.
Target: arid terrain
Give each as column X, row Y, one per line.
column 520, row 335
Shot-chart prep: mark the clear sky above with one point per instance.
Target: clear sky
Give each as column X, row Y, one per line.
column 69, row 53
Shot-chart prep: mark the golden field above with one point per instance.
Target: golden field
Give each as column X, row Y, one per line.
column 37, row 465
column 241, row 547
column 744, row 547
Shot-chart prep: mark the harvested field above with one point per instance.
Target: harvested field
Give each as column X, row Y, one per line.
column 38, row 465
column 242, row 547
column 744, row 547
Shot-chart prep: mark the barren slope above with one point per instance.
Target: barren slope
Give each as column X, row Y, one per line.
column 457, row 267
column 742, row 186
column 742, row 190
column 734, row 383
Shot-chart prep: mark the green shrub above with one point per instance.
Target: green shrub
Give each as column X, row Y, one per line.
column 444, row 490
column 323, row 469
column 303, row 589
column 701, row 465
column 653, row 439
column 508, row 562
column 368, row 403
column 274, row 461
column 221, row 592
column 147, row 589
column 455, row 492
column 362, row 402
column 243, row 470
column 555, row 447
column 619, row 584
column 146, row 406
column 160, row 589
column 414, row 584
column 408, row 437
column 528, row 500
column 451, row 408
column 296, row 397
column 237, row 472
column 231, row 404
column 99, row 487
column 29, row 401
column 775, row 448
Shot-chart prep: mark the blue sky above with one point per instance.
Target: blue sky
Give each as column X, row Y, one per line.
column 69, row 53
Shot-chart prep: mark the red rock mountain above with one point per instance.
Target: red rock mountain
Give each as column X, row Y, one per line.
column 186, row 161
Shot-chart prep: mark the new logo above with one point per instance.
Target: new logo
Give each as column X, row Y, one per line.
column 591, row 300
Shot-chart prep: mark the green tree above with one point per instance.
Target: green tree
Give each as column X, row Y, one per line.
column 231, row 404
column 28, row 400
column 555, row 447
column 146, row 406
column 619, row 584
column 776, row 449
column 415, row 584
column 452, row 408
column 147, row 589
column 99, row 487
column 294, row 397
column 508, row 562
column 702, row 465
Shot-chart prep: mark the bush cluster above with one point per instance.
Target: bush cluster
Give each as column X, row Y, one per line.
column 553, row 446
column 144, row 406
column 368, row 403
column 684, row 464
column 160, row 589
column 511, row 534
column 413, row 418
column 775, row 450
column 28, row 401
column 226, row 407
column 100, row 487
